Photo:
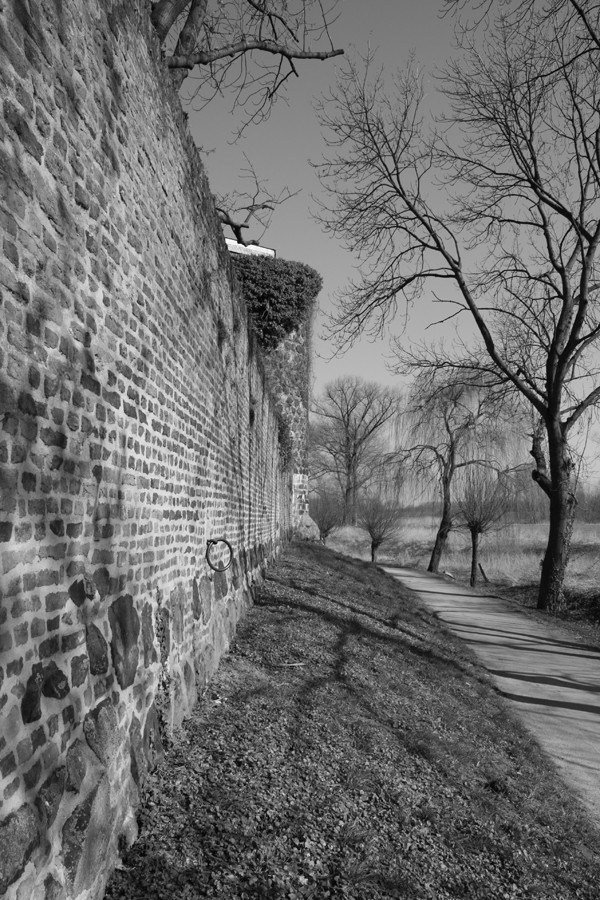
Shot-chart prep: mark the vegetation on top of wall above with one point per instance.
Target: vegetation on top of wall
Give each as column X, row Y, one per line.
column 279, row 294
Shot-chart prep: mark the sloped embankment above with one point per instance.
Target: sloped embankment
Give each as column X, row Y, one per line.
column 348, row 747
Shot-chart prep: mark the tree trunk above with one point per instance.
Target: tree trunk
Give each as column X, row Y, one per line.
column 374, row 547
column 347, row 513
column 474, row 556
column 164, row 14
column 562, row 514
column 443, row 531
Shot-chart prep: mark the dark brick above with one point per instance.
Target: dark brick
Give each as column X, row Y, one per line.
column 53, row 438
column 90, row 384
column 32, row 777
column 5, row 531
column 8, row 765
column 49, row 647
column 55, row 684
column 15, row 667
column 72, row 641
column 19, row 125
column 28, row 480
column 38, row 738
column 79, row 670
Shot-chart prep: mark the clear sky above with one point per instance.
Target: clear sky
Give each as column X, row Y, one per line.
column 280, row 150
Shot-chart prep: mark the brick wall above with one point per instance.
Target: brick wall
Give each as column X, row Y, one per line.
column 135, row 424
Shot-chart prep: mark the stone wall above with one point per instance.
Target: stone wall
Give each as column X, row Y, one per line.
column 288, row 370
column 135, row 424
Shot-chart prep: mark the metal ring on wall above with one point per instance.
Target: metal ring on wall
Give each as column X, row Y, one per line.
column 209, row 544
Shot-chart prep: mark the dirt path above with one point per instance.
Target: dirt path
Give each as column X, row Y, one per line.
column 552, row 680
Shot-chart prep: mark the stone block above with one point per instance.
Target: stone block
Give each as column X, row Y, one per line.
column 152, row 740
column 101, row 731
column 97, row 650
column 150, row 654
column 19, row 837
column 125, row 625
column 50, row 795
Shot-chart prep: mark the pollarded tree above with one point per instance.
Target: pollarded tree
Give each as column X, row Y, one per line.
column 247, row 47
column 348, row 419
column 482, row 502
column 503, row 206
column 325, row 509
column 380, row 517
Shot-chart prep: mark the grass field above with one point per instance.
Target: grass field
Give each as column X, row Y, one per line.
column 510, row 556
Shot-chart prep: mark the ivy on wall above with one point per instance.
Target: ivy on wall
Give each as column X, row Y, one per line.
column 279, row 294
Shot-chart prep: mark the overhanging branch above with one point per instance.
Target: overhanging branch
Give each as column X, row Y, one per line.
column 205, row 57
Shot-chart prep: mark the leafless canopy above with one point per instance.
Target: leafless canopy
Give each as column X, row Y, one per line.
column 348, row 418
column 380, row 518
column 241, row 210
column 501, row 205
column 247, row 47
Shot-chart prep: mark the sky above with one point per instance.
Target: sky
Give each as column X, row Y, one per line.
column 280, row 150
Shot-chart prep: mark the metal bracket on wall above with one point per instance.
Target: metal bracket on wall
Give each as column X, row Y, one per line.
column 211, row 551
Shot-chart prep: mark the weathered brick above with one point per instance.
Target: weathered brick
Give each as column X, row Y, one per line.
column 49, row 647
column 8, row 765
column 56, row 601
column 38, row 628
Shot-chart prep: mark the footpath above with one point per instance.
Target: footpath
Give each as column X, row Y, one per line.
column 551, row 680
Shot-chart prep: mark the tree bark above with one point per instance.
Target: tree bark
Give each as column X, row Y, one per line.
column 474, row 556
column 444, row 527
column 164, row 14
column 373, row 551
column 562, row 514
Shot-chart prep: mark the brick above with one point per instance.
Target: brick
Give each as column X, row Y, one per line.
column 38, row 738
column 38, row 628
column 49, row 647
column 8, row 765
column 29, row 481
column 12, row 788
column 24, row 750
column 16, row 121
column 53, row 438
column 32, row 777
column 23, row 532
column 21, row 633
column 56, row 601
column 5, row 531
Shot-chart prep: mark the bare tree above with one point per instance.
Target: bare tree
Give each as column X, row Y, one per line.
column 348, row 419
column 502, row 205
column 326, row 511
column 237, row 210
column 380, row 518
column 449, row 425
column 248, row 47
column 482, row 501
